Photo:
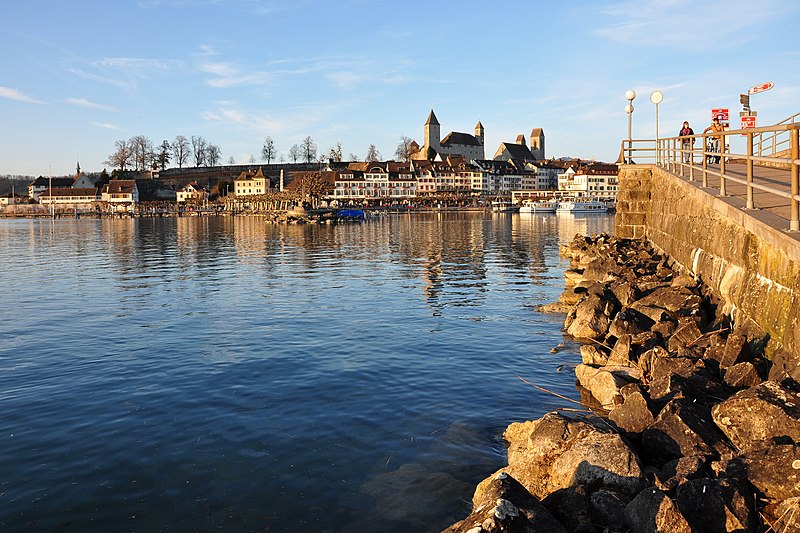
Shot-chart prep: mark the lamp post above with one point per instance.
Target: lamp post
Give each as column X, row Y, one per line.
column 656, row 97
column 630, row 94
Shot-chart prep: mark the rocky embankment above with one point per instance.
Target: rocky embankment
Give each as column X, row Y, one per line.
column 692, row 430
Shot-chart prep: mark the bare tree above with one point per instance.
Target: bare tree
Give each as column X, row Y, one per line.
column 308, row 149
column 142, row 152
column 163, row 154
column 294, row 153
column 335, row 153
column 252, row 159
column 213, row 155
column 231, row 160
column 352, row 157
column 199, row 150
column 121, row 157
column 373, row 154
column 403, row 152
column 268, row 150
column 309, row 186
column 180, row 149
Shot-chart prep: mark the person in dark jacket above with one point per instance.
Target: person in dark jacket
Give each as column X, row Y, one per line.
column 686, row 141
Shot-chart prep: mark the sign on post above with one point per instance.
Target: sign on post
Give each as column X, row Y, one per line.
column 722, row 114
column 761, row 88
column 748, row 122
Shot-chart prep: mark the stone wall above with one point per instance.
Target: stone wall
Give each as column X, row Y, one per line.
column 753, row 268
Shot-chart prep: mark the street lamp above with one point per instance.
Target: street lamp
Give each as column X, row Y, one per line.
column 656, row 97
column 630, row 94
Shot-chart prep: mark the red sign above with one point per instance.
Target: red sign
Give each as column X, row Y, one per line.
column 761, row 88
column 748, row 122
column 721, row 113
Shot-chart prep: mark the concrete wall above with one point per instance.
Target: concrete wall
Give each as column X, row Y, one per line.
column 752, row 267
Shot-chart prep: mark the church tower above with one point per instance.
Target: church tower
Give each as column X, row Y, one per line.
column 479, row 133
column 537, row 143
column 433, row 133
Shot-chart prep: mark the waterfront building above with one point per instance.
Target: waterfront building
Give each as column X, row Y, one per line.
column 192, row 193
column 121, row 193
column 41, row 184
column 499, row 177
column 388, row 180
column 593, row 179
column 251, row 183
column 83, row 198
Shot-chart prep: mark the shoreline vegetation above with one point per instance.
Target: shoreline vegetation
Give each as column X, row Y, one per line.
column 686, row 425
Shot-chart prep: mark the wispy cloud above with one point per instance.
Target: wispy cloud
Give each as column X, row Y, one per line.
column 684, row 23
column 83, row 102
column 106, row 125
column 14, row 94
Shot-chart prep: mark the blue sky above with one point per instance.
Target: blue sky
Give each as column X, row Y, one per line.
column 77, row 76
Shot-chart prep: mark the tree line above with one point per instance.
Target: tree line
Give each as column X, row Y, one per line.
column 140, row 153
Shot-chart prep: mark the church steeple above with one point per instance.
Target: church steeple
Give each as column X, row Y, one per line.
column 78, row 171
column 432, row 120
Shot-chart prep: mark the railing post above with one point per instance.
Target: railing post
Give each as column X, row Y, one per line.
column 794, row 222
column 705, row 162
column 691, row 160
column 721, row 152
column 749, row 170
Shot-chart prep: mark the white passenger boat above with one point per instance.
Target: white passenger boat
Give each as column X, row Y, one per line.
column 581, row 205
column 502, row 206
column 538, row 206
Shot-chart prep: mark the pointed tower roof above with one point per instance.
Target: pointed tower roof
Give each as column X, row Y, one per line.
column 479, row 125
column 432, row 119
column 259, row 174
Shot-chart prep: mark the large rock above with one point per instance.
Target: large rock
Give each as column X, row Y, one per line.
column 652, row 511
column 630, row 322
column 501, row 504
column 753, row 417
column 605, row 382
column 570, row 507
column 633, row 416
column 678, row 300
column 607, row 508
column 784, row 516
column 716, row 506
column 593, row 355
column 591, row 318
column 679, row 471
column 683, row 429
column 556, row 452
column 774, row 471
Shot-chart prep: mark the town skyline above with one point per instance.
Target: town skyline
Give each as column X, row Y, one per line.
column 362, row 73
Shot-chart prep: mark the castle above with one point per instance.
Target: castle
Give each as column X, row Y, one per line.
column 471, row 146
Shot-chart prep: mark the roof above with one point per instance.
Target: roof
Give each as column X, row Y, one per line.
column 516, row 151
column 120, row 186
column 56, row 182
column 456, row 137
column 432, row 119
column 69, row 191
column 535, row 132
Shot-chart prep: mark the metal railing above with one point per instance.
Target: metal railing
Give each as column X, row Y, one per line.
column 681, row 155
column 773, row 142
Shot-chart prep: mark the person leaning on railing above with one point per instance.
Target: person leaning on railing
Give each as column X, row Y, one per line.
column 686, row 141
column 715, row 127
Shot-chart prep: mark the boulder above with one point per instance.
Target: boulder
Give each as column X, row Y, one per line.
column 557, row 452
column 607, row 508
column 683, row 429
column 716, row 506
column 605, row 382
column 621, row 352
column 742, row 376
column 570, row 507
column 678, row 471
column 592, row 318
column 625, row 293
column 631, row 322
column 783, row 516
column 774, row 471
column 735, row 351
column 686, row 335
column 652, row 511
column 679, row 300
column 753, row 417
column 593, row 355
column 633, row 416
column 501, row 504
column 559, row 307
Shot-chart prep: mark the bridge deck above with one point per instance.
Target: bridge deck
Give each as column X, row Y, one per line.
column 768, row 208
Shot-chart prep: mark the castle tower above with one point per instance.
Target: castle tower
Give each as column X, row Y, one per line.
column 537, row 143
column 433, row 133
column 479, row 132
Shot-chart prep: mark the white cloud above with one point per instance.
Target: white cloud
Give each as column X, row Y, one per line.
column 106, row 125
column 83, row 102
column 14, row 94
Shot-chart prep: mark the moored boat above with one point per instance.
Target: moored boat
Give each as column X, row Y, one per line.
column 502, row 206
column 581, row 205
column 538, row 206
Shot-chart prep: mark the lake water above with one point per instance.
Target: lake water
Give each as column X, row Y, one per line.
column 203, row 374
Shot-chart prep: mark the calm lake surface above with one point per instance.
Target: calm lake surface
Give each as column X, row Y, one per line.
column 226, row 374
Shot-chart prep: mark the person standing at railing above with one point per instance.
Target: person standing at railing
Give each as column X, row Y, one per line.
column 686, row 141
column 717, row 140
